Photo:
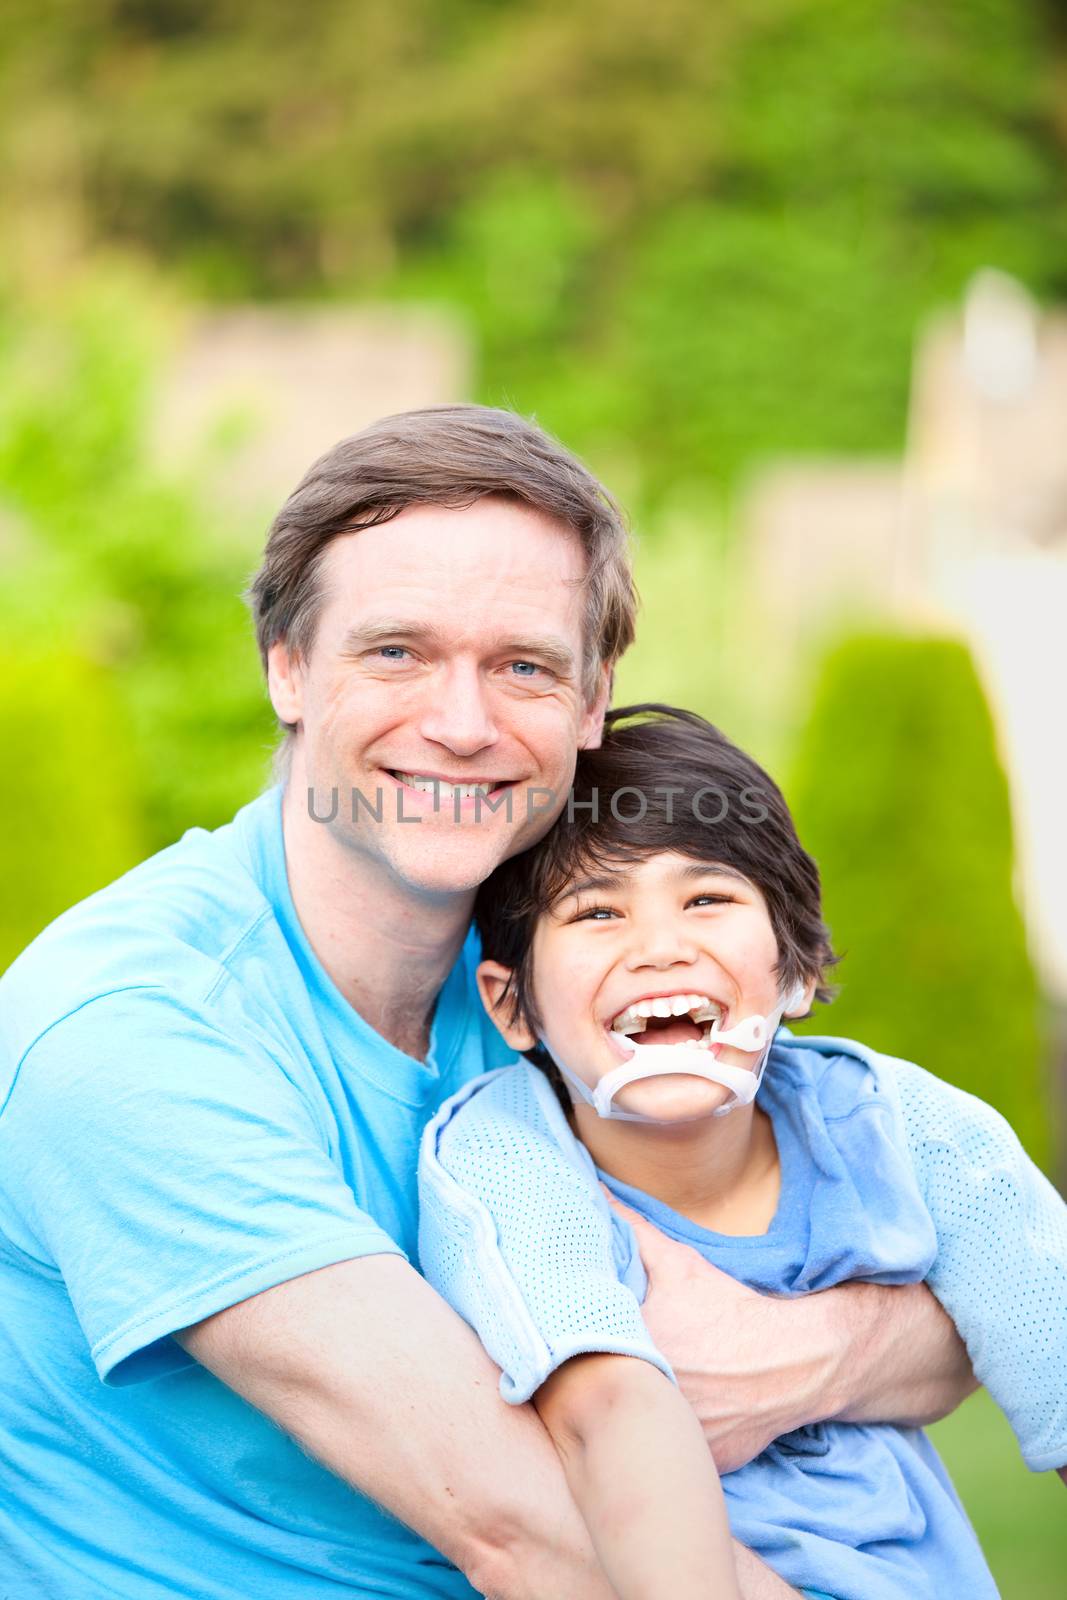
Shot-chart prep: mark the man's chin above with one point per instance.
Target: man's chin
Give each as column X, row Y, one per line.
column 447, row 866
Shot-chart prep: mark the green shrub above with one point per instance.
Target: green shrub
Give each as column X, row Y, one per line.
column 71, row 815
column 900, row 796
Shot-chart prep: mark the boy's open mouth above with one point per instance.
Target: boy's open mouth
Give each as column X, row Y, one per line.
column 671, row 1019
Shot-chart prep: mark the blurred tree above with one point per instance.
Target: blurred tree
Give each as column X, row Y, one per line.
column 899, row 794
column 685, row 234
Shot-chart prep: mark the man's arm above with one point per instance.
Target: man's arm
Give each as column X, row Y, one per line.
column 754, row 1367
column 377, row 1378
column 373, row 1374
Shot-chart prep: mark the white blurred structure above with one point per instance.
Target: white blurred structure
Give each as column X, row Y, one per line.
column 281, row 385
column 969, row 535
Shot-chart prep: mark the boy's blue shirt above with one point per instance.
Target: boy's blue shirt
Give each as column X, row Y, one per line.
column 890, row 1176
column 190, row 1113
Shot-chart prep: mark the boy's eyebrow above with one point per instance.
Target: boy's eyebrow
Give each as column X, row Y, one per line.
column 712, row 869
column 609, row 883
column 365, row 635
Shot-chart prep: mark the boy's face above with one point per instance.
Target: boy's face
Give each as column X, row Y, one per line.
column 668, row 929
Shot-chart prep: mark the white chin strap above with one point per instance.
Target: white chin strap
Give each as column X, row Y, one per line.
column 754, row 1035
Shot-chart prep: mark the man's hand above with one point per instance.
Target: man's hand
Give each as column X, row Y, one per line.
column 754, row 1367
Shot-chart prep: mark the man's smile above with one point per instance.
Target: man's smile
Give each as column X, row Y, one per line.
column 449, row 791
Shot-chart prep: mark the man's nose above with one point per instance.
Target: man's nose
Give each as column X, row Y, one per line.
column 458, row 715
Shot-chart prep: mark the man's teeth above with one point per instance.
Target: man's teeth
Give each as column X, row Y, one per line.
column 438, row 786
column 696, row 1006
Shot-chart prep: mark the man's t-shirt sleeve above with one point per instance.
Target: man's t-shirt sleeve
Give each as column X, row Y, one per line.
column 167, row 1169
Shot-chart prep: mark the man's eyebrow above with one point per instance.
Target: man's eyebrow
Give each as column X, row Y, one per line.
column 362, row 634
column 365, row 635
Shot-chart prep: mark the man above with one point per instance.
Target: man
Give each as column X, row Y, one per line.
column 215, row 1072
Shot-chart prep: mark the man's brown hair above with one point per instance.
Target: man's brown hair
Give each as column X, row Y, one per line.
column 443, row 456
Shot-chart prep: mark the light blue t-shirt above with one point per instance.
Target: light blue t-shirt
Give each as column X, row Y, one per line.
column 888, row 1176
column 190, row 1113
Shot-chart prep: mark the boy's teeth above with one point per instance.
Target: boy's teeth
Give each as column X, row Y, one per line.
column 635, row 1017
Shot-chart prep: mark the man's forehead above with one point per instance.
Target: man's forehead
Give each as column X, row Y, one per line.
column 492, row 538
column 428, row 570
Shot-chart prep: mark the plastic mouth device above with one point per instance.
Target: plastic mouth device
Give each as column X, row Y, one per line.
column 754, row 1035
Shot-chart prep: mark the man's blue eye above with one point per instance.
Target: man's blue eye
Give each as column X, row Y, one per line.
column 525, row 669
column 392, row 652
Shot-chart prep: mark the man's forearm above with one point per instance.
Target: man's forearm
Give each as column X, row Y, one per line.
column 754, row 1366
column 379, row 1380
column 900, row 1358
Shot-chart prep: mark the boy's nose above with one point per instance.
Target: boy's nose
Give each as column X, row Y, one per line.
column 662, row 950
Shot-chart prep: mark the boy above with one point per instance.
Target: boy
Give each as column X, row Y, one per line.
column 642, row 957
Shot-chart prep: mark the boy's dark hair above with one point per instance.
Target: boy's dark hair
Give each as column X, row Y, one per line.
column 662, row 780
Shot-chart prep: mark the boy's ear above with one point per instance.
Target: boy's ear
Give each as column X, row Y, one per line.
column 492, row 981
column 802, row 999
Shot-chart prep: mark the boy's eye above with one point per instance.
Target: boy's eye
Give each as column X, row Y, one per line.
column 712, row 900
column 594, row 914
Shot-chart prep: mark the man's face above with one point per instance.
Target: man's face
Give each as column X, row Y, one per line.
column 443, row 689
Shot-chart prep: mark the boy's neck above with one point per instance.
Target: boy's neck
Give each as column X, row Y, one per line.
column 721, row 1172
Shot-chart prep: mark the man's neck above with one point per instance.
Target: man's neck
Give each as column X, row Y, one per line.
column 721, row 1172
column 387, row 949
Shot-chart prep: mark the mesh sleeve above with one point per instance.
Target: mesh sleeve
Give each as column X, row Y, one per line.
column 1001, row 1265
column 516, row 1235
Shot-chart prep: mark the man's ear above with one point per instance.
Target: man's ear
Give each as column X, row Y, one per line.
column 285, row 683
column 591, row 728
column 492, row 981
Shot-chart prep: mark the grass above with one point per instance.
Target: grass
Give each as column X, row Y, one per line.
column 1020, row 1516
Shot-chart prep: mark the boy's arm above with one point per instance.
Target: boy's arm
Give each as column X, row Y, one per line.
column 643, row 1478
column 500, row 1179
column 754, row 1367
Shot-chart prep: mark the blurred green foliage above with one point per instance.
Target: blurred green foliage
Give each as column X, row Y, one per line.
column 685, row 234
column 1018, row 1514
column 71, row 808
column 106, row 560
column 900, row 797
